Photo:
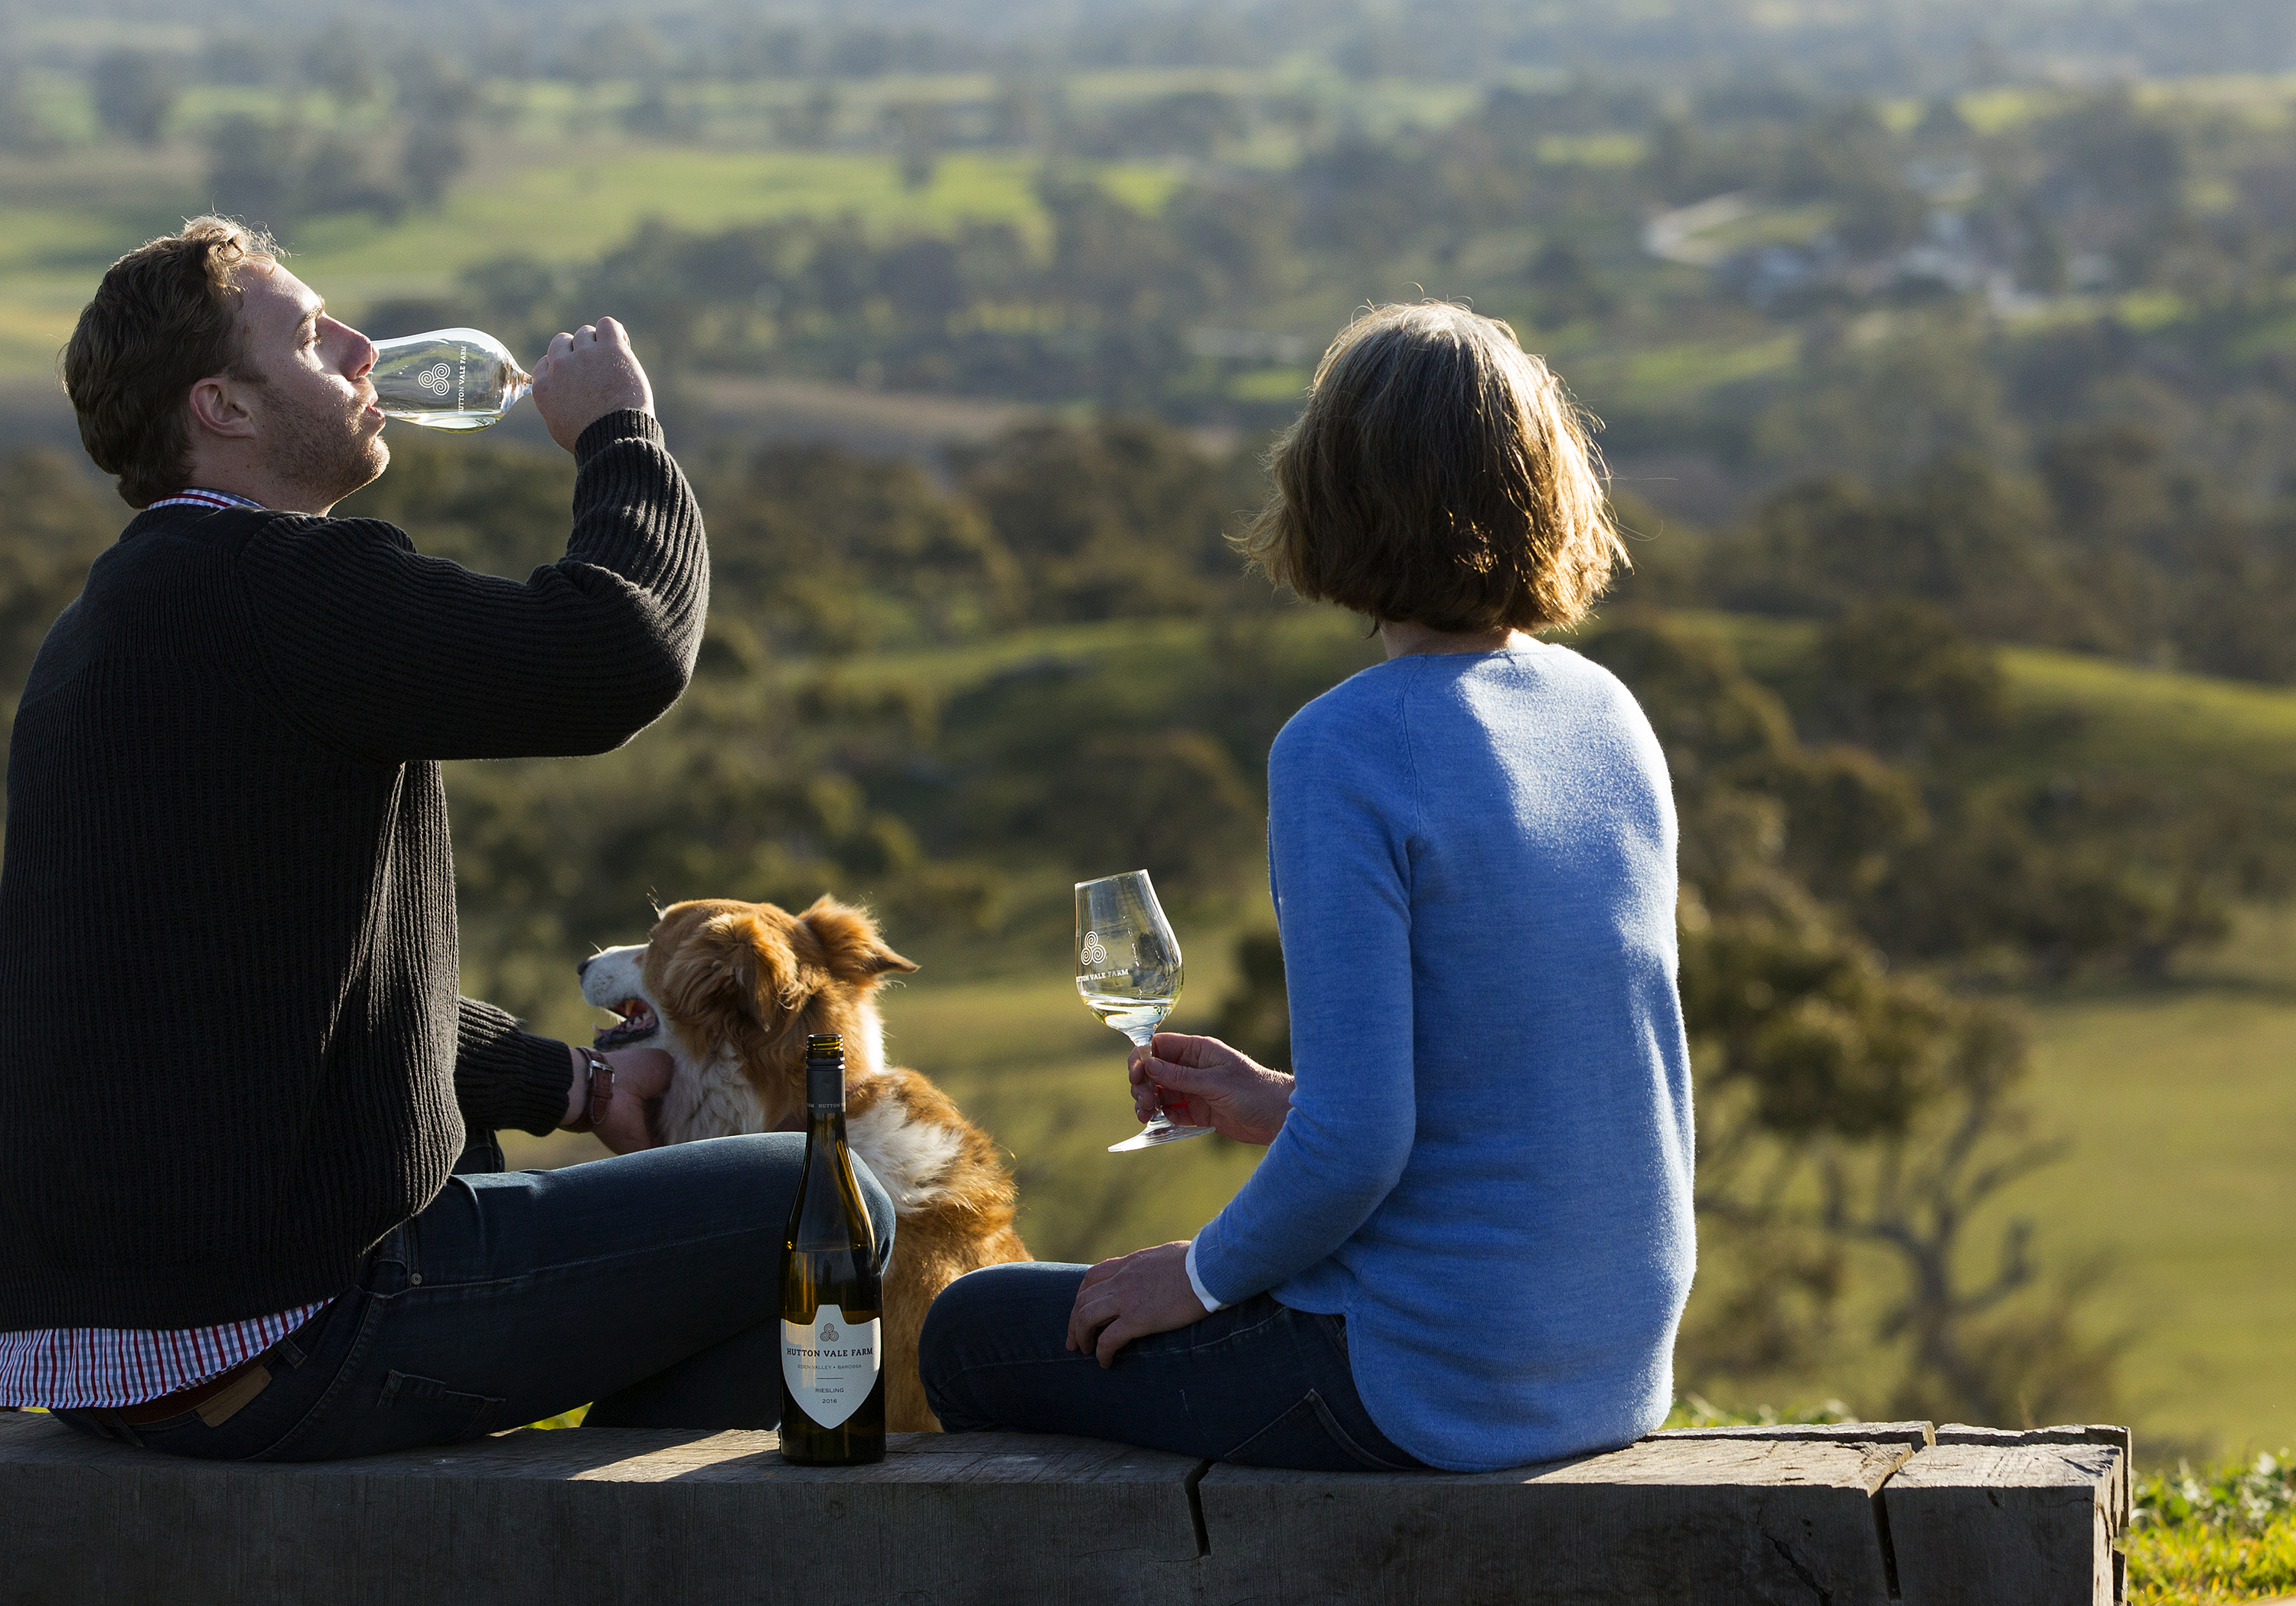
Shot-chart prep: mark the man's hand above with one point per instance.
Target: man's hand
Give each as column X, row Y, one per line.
column 586, row 375
column 1145, row 1292
column 1234, row 1096
column 641, row 1077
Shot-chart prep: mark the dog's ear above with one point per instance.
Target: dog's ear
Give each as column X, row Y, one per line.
column 850, row 947
column 733, row 961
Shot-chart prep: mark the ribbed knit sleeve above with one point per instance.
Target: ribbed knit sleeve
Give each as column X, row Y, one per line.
column 505, row 1076
column 381, row 652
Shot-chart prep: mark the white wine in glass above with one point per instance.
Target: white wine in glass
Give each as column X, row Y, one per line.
column 449, row 379
column 1128, row 970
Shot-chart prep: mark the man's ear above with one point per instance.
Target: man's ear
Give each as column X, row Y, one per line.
column 218, row 405
column 851, row 946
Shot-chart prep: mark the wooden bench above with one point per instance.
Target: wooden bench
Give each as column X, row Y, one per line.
column 1837, row 1516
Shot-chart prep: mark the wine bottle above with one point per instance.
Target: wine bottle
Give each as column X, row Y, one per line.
column 832, row 1299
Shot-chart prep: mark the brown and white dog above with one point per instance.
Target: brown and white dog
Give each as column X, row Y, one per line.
column 730, row 992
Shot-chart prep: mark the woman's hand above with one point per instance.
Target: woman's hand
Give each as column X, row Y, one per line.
column 1131, row 1296
column 1234, row 1095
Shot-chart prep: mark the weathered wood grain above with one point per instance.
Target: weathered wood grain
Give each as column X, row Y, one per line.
column 1842, row 1433
column 2032, row 1523
column 1668, row 1521
column 2096, row 1433
column 609, row 1517
column 598, row 1516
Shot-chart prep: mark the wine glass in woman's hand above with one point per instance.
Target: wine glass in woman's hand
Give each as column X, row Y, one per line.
column 1128, row 970
column 1205, row 1082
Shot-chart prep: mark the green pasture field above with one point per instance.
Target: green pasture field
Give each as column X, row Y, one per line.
column 1657, row 378
column 2073, row 713
column 2178, row 1098
column 2179, row 1103
column 577, row 209
column 64, row 219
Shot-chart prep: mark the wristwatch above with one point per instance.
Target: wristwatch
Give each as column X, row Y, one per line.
column 602, row 1091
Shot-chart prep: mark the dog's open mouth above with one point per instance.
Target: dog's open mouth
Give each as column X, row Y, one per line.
column 637, row 1023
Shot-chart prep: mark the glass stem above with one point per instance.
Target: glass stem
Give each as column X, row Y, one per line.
column 1141, row 1039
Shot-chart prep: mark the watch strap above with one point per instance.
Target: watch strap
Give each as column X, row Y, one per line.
column 602, row 1091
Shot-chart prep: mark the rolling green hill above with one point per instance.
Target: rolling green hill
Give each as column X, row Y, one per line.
column 2178, row 1097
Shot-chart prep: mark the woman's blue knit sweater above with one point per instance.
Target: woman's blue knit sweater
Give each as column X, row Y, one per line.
column 1487, row 1166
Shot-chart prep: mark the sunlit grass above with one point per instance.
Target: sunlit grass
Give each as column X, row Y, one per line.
column 1612, row 149
column 1142, row 186
column 1270, row 385
column 2260, row 99
column 2116, row 713
column 2203, row 1567
column 1691, row 1410
column 2181, row 1114
column 2221, row 1534
column 1993, row 110
column 1772, row 225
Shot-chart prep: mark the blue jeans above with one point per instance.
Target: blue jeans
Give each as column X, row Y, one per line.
column 1259, row 1383
column 649, row 1283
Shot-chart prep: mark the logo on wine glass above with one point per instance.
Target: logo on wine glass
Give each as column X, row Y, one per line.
column 435, row 379
column 1095, row 955
column 829, row 1333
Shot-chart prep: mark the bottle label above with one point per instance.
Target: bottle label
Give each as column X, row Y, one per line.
column 830, row 1366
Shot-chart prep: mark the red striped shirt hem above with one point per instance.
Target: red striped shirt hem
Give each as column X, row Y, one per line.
column 77, row 1368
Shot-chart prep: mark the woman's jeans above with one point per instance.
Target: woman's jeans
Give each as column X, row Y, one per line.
column 1259, row 1384
column 649, row 1283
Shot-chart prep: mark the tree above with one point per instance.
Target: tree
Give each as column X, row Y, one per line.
column 278, row 174
column 437, row 150
column 134, row 90
column 826, row 551
column 256, row 171
column 1894, row 676
column 1125, row 518
column 20, row 128
column 341, row 59
column 917, row 128
column 53, row 524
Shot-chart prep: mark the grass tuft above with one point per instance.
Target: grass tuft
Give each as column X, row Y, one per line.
column 2225, row 1533
column 1694, row 1411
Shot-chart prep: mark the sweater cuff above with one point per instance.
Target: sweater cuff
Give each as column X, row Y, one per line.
column 1196, row 1282
column 629, row 425
column 507, row 1077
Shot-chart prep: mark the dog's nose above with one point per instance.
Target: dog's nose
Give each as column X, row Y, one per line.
column 583, row 969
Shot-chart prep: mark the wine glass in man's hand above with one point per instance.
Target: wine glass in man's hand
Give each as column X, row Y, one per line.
column 1128, row 970
column 465, row 379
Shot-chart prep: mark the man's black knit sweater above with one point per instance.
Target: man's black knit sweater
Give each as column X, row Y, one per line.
column 235, row 1055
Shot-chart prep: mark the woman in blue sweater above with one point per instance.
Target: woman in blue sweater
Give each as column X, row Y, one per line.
column 1469, row 1242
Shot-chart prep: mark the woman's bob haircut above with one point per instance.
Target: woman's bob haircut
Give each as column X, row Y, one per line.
column 1441, row 476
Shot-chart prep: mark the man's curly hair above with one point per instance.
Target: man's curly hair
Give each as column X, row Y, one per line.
column 166, row 317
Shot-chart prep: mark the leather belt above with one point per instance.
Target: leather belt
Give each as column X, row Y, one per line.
column 220, row 1397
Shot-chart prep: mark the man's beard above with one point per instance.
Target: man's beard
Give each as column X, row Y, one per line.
column 325, row 456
